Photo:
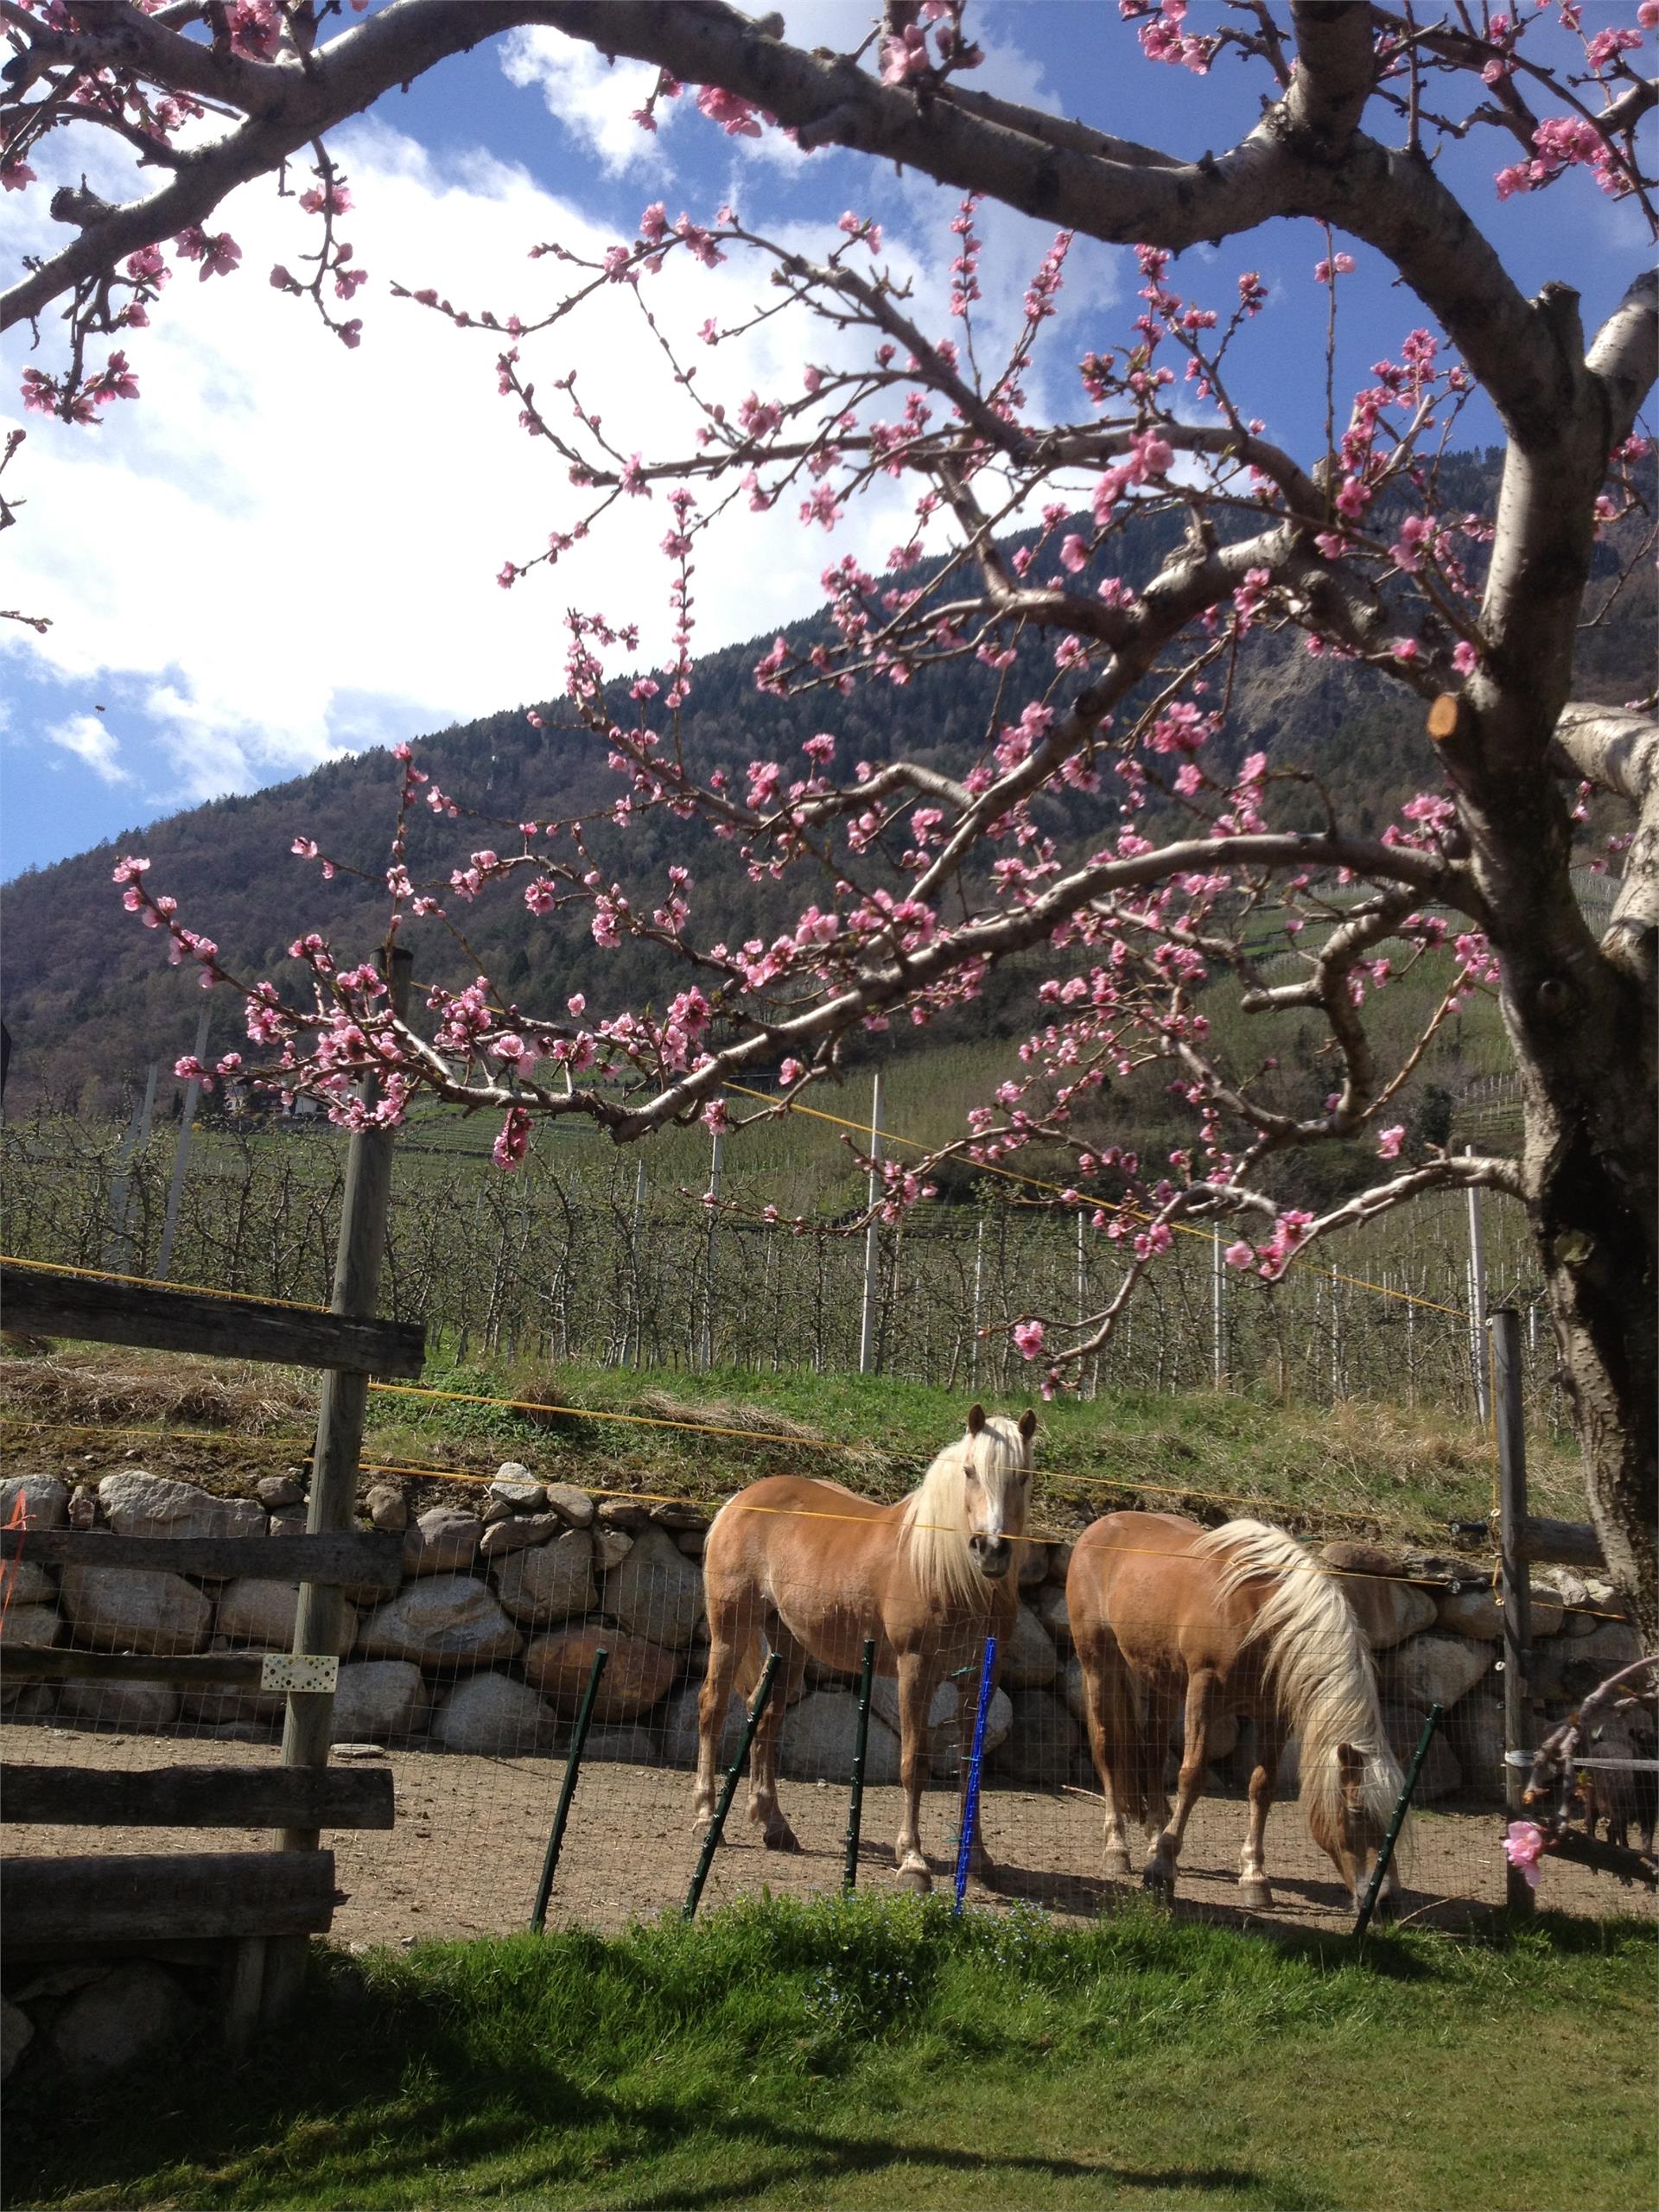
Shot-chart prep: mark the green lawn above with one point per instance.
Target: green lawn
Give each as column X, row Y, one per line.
column 877, row 2054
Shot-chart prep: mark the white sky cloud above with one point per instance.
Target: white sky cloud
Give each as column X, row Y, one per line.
column 284, row 548
column 87, row 738
column 594, row 98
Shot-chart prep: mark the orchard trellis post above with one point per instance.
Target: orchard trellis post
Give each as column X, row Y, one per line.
column 181, row 1152
column 867, row 1320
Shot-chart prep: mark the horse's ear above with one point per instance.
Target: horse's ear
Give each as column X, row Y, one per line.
column 1028, row 1423
column 1350, row 1765
column 975, row 1420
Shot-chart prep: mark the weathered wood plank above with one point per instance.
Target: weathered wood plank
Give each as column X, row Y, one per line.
column 198, row 1796
column 367, row 1559
column 1543, row 1543
column 158, row 1318
column 197, row 1670
column 119, row 1897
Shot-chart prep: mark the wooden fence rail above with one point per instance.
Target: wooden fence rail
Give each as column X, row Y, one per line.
column 368, row 1559
column 198, row 1797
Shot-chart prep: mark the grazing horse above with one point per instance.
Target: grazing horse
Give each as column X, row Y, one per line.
column 812, row 1569
column 1239, row 1620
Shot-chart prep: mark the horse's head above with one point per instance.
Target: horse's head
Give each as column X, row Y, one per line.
column 1351, row 1830
column 996, row 1485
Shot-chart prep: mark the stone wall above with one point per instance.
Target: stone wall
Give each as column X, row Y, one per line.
column 487, row 1646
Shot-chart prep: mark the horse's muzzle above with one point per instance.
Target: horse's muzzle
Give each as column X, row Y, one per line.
column 991, row 1555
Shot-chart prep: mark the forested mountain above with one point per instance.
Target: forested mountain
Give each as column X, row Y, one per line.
column 90, row 1000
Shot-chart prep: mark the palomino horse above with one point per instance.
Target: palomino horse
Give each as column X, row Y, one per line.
column 812, row 1569
column 1237, row 1620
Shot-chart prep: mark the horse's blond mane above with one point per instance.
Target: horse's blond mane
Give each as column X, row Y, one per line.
column 933, row 1522
column 1318, row 1666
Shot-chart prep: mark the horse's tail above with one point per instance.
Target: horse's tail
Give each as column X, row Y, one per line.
column 1319, row 1667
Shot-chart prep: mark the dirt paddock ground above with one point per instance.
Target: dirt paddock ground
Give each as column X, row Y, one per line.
column 464, row 1854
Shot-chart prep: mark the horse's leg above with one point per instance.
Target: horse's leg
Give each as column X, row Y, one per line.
column 729, row 1630
column 775, row 1832
column 1253, row 1890
column 1104, row 1695
column 1159, row 1875
column 1152, row 1758
column 916, row 1688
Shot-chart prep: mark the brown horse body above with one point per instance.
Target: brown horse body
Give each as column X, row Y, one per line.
column 810, row 1569
column 1232, row 1620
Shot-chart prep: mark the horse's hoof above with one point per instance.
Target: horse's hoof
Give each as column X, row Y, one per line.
column 1256, row 1897
column 916, row 1879
column 1117, row 1865
column 983, row 1869
column 703, row 1813
column 778, row 1835
column 1159, row 1884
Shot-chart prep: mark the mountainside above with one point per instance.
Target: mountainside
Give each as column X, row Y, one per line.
column 90, row 1000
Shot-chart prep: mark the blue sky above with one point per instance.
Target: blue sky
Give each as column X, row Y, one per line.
column 285, row 549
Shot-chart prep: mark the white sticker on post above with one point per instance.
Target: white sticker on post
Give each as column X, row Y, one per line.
column 297, row 1673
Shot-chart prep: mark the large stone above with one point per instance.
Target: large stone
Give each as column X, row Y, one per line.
column 611, row 1547
column 633, row 1746
column 1435, row 1670
column 1033, row 1564
column 1442, row 1774
column 31, row 1584
column 657, row 1592
column 136, row 1503
column 1613, row 1645
column 576, row 1504
column 516, row 1532
column 638, row 1674
column 622, row 1513
column 30, row 1624
column 1044, row 1744
column 819, row 1736
column 17, row 2033
column 441, row 1542
column 262, row 1614
column 134, row 1708
column 138, row 2012
column 680, row 1727
column 1475, row 1730
column 1027, row 1660
column 947, row 1755
column 379, row 1701
column 1072, row 1690
column 496, row 1716
column 515, row 1488
column 388, row 1508
column 443, row 1620
column 119, row 1610
column 47, row 1505
column 550, row 1581
column 1051, row 1609
column 222, row 1705
column 1480, row 1613
column 1388, row 1608
column 277, row 1492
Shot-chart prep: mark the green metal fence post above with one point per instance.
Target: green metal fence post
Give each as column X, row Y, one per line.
column 572, row 1765
column 860, row 1744
column 1373, row 1888
column 729, row 1790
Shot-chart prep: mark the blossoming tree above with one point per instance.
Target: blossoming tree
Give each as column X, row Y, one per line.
column 1107, row 823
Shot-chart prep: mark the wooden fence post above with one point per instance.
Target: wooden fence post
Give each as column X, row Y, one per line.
column 342, row 1410
column 1505, row 1326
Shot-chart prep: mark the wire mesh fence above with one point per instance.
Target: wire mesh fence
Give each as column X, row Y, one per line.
column 468, row 1682
column 582, row 1257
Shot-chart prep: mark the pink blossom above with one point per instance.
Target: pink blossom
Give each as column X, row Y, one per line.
column 1388, row 1142
column 513, row 1142
column 733, row 114
column 15, row 177
column 790, row 1073
column 1523, row 1846
column 1028, row 1338
column 1464, row 657
column 1239, row 1254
